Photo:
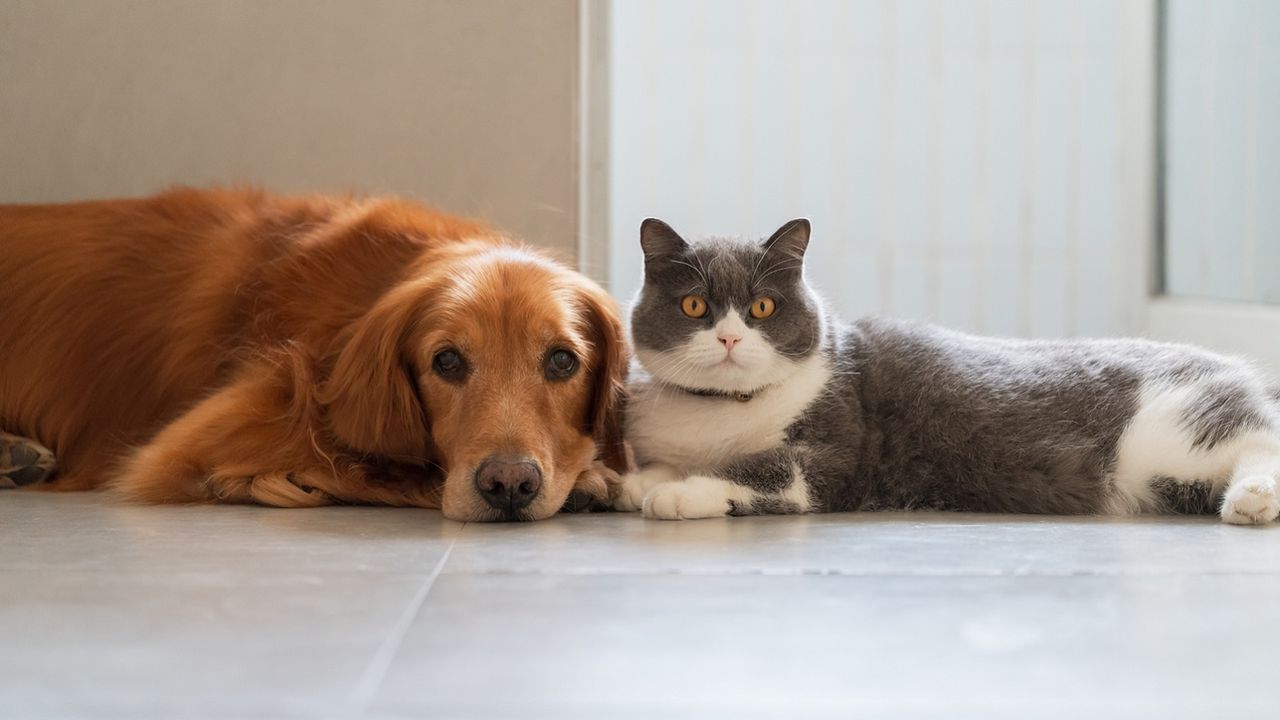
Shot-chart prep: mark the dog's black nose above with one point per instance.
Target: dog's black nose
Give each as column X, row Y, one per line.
column 508, row 483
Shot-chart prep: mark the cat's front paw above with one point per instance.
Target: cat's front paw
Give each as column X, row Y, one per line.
column 694, row 497
column 1251, row 501
column 634, row 486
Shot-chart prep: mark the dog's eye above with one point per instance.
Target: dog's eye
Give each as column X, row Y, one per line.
column 449, row 365
column 561, row 364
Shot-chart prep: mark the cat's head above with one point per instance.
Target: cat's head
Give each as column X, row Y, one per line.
column 723, row 314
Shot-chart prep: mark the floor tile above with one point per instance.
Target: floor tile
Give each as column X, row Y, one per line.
column 133, row 612
column 55, row 532
column 201, row 643
column 839, row 646
column 870, row 543
column 111, row 611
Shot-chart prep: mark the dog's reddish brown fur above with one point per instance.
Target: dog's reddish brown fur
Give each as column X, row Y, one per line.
column 236, row 346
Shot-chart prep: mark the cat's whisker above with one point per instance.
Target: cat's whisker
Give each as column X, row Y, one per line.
column 767, row 248
column 780, row 268
column 676, row 367
column 692, row 267
column 701, row 275
column 813, row 340
column 703, row 271
column 678, row 372
column 759, row 260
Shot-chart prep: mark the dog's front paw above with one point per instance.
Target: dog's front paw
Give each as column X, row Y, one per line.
column 289, row 489
column 23, row 462
column 634, row 486
column 1251, row 501
column 694, row 497
column 597, row 488
column 274, row 489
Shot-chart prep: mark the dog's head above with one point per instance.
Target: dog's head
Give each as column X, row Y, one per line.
column 502, row 367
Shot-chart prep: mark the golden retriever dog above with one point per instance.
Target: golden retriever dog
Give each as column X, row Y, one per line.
column 234, row 346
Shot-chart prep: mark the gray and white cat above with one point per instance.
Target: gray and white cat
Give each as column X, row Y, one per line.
column 753, row 400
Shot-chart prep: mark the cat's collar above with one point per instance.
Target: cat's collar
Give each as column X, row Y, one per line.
column 739, row 396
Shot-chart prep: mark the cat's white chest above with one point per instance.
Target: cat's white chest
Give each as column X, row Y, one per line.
column 695, row 433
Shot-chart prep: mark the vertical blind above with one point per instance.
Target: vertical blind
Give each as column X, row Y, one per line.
column 969, row 162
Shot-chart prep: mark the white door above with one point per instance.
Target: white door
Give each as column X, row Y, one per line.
column 1221, row 262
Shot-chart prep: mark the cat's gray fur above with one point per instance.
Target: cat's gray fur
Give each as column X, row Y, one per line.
column 918, row 417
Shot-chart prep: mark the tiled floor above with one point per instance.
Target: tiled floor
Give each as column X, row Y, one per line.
column 128, row 612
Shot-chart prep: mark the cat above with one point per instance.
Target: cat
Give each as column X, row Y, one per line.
column 750, row 398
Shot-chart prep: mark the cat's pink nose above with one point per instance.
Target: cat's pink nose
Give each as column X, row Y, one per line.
column 730, row 340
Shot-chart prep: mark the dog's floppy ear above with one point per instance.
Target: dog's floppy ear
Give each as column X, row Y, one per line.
column 371, row 395
column 608, row 377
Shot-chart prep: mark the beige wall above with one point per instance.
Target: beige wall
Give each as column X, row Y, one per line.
column 469, row 105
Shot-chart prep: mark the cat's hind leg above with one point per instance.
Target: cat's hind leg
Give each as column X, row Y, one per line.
column 1253, row 493
column 1211, row 444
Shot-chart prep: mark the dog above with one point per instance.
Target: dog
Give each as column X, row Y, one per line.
column 231, row 345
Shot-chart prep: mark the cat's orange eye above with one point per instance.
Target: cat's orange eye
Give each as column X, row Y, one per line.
column 693, row 306
column 762, row 308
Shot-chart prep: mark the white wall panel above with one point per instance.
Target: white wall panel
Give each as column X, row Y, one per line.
column 469, row 106
column 962, row 161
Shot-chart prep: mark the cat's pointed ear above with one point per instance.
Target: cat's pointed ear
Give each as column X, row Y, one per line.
column 659, row 241
column 792, row 239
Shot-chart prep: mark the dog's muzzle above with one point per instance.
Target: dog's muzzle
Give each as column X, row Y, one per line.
column 508, row 484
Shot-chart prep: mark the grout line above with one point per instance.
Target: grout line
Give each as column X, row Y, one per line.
column 1157, row 284
column 933, row 191
column 792, row 144
column 745, row 90
column 1013, row 573
column 886, row 198
column 1252, row 267
column 980, row 206
column 1026, row 210
column 839, row 181
column 1208, row 170
column 701, row 178
column 376, row 671
column 1071, row 300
